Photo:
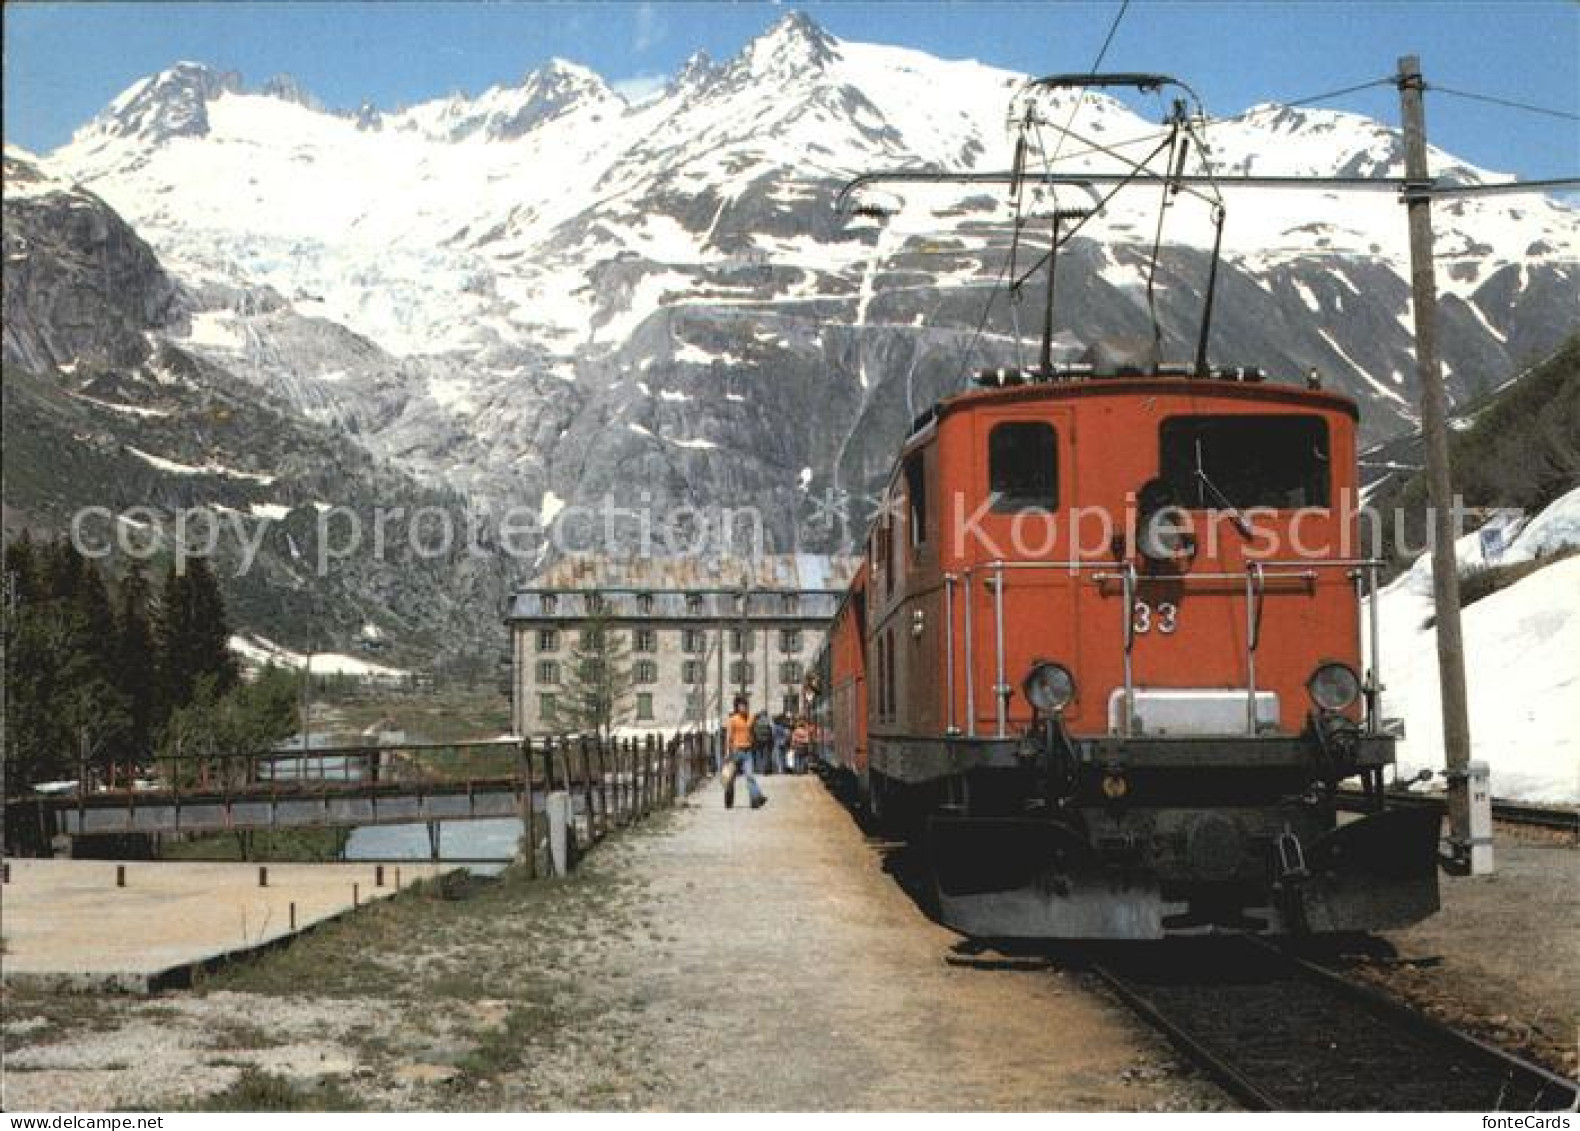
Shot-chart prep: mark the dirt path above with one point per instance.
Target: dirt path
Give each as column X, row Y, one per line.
column 704, row 960
column 794, row 974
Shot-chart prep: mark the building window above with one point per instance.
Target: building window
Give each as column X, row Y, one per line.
column 548, row 671
column 741, row 640
column 692, row 640
column 792, row 706
column 741, row 672
column 592, row 638
column 546, row 708
column 595, row 604
column 694, row 704
column 548, row 640
column 644, row 603
column 789, row 641
column 789, row 603
column 1023, row 466
column 547, row 603
column 693, row 671
column 644, row 671
column 644, row 706
column 644, row 640
column 790, row 672
column 693, row 603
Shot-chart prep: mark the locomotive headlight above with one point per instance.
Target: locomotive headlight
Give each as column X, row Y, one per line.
column 1334, row 686
column 1049, row 687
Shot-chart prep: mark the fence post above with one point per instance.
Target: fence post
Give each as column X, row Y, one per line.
column 563, row 748
column 587, row 789
column 528, row 824
column 628, row 758
column 650, row 772
column 603, row 783
column 671, row 767
column 565, row 763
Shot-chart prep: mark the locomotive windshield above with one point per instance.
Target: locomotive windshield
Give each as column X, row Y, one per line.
column 1023, row 467
column 1246, row 461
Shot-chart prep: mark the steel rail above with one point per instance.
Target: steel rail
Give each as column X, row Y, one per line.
column 1222, row 1072
column 1510, row 812
column 1259, row 1088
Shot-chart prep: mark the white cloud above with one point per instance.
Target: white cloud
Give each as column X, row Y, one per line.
column 649, row 28
column 639, row 87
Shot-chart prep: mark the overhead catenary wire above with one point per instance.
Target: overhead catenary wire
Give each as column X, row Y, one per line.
column 1509, row 103
column 1009, row 265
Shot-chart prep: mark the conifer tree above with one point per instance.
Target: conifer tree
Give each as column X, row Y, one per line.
column 596, row 691
column 132, row 665
column 192, row 638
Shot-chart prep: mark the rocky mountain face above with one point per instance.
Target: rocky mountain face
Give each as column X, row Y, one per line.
column 104, row 409
column 546, row 295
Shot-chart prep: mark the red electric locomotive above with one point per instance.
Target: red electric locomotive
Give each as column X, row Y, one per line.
column 1105, row 653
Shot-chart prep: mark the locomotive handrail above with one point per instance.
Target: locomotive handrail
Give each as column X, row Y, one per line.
column 1001, row 690
column 1279, row 575
column 1255, row 577
column 971, row 665
column 1254, row 588
column 949, row 654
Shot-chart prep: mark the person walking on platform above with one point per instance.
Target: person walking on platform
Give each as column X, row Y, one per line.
column 800, row 747
column 781, row 743
column 763, row 740
column 740, row 741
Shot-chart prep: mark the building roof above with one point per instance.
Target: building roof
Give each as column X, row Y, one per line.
column 783, row 587
column 781, row 572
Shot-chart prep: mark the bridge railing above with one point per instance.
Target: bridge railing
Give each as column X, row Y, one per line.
column 608, row 782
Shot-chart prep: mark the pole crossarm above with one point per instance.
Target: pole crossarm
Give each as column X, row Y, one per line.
column 1407, row 187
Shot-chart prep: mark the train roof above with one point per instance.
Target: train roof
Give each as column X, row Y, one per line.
column 1245, row 389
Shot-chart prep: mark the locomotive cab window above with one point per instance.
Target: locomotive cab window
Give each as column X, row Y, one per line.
column 1214, row 462
column 1023, row 466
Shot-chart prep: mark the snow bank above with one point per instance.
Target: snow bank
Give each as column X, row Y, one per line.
column 1522, row 656
column 258, row 651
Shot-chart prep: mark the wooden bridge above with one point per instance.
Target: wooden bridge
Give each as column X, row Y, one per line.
column 605, row 781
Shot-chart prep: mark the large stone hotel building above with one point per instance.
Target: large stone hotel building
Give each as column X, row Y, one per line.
column 694, row 633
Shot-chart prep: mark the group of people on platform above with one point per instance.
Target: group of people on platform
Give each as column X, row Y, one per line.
column 776, row 745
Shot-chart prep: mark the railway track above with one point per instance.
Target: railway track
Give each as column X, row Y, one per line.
column 1283, row 1034
column 1512, row 812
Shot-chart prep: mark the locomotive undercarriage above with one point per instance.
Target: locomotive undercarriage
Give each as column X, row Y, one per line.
column 1133, row 838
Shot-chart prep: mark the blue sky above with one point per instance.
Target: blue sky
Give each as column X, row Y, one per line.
column 65, row 61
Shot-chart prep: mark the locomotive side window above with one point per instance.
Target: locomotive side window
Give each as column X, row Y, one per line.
column 1246, row 461
column 916, row 495
column 1023, row 466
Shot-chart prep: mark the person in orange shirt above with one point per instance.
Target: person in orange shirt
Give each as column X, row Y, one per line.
column 739, row 740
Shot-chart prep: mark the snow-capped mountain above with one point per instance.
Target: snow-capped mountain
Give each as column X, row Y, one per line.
column 546, row 293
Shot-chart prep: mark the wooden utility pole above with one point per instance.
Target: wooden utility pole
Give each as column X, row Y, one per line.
column 1434, row 428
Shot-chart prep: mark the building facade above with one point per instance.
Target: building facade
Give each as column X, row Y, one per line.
column 692, row 641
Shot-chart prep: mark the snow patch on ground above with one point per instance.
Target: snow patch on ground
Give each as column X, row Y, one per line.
column 258, row 651
column 174, row 468
column 550, row 506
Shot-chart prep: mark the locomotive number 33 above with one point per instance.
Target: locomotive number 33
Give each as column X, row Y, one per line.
column 1162, row 617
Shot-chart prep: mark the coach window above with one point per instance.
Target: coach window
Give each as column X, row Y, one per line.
column 1023, row 466
column 1219, row 462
